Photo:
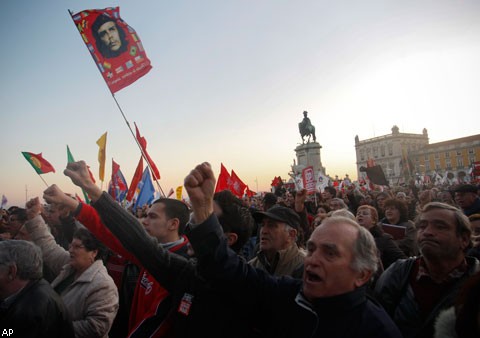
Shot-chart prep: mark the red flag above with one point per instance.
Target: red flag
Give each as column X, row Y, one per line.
column 223, row 179
column 119, row 186
column 237, row 187
column 136, row 178
column 115, row 172
column 41, row 165
column 114, row 46
column 249, row 192
column 143, row 144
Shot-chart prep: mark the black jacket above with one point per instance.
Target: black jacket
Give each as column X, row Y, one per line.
column 389, row 250
column 225, row 297
column 394, row 292
column 36, row 311
column 198, row 310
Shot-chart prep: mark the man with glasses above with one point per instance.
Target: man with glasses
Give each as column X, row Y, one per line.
column 15, row 224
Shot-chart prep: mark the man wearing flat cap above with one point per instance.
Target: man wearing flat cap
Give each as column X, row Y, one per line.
column 466, row 196
column 279, row 254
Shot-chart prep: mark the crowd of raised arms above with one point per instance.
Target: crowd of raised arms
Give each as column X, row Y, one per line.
column 394, row 262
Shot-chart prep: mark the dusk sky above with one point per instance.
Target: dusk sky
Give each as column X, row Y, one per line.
column 230, row 81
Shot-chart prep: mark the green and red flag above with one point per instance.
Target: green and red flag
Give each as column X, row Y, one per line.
column 41, row 165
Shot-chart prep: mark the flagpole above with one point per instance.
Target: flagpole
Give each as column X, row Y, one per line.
column 43, row 179
column 138, row 144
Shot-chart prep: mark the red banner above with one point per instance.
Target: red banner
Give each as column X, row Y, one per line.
column 114, row 45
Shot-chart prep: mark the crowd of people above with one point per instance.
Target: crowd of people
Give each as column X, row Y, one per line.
column 393, row 262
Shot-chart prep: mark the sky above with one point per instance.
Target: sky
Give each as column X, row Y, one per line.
column 229, row 83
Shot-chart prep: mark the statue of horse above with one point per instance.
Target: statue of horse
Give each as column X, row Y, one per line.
column 307, row 129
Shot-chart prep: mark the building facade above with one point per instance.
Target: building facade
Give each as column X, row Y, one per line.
column 389, row 152
column 454, row 157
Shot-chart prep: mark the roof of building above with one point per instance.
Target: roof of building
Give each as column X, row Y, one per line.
column 454, row 141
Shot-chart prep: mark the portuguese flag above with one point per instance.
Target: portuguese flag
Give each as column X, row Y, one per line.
column 38, row 163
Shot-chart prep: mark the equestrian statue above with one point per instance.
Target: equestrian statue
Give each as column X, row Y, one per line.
column 306, row 129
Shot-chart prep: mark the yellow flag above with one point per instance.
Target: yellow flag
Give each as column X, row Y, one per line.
column 102, row 144
column 179, row 193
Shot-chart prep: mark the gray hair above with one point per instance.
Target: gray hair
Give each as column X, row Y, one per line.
column 339, row 200
column 463, row 225
column 343, row 213
column 26, row 256
column 364, row 251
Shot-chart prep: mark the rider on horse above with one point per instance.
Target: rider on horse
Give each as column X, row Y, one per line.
column 306, row 128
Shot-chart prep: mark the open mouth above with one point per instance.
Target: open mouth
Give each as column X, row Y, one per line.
column 312, row 277
column 428, row 242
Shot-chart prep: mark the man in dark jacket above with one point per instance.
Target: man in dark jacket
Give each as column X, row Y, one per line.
column 466, row 196
column 414, row 291
column 29, row 307
column 341, row 259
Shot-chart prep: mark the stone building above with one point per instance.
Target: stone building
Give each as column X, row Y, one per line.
column 421, row 158
column 453, row 156
column 389, row 152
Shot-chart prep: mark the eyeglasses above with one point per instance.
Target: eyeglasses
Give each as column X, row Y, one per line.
column 76, row 246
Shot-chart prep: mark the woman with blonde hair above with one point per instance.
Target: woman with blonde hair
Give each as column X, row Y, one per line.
column 367, row 217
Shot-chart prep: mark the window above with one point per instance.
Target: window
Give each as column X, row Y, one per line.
column 448, row 164
column 390, row 149
column 375, row 152
column 427, row 166
column 459, row 162
column 391, row 169
column 470, row 151
column 459, row 153
column 447, row 155
column 382, row 150
column 362, row 155
column 426, row 157
column 437, row 156
column 437, row 164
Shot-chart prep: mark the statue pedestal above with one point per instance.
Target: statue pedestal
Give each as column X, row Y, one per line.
column 308, row 154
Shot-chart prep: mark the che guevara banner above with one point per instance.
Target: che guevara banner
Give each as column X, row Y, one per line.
column 114, row 46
